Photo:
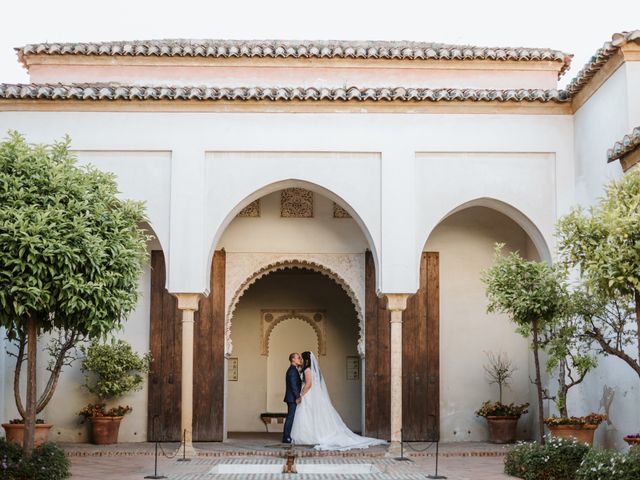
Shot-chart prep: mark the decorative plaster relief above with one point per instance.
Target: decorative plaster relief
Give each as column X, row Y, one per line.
column 339, row 212
column 251, row 210
column 296, row 203
column 244, row 269
column 314, row 317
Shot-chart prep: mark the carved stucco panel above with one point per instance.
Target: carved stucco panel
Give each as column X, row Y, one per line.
column 244, row 269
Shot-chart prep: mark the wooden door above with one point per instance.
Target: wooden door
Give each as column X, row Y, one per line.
column 208, row 363
column 166, row 349
column 420, row 356
column 166, row 368
column 377, row 358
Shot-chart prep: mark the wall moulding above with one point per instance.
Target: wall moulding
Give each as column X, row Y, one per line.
column 244, row 269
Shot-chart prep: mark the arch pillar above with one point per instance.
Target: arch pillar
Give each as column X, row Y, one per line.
column 188, row 305
column 396, row 304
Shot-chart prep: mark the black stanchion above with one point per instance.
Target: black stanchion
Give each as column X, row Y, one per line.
column 435, row 475
column 402, row 458
column 155, row 461
column 184, row 448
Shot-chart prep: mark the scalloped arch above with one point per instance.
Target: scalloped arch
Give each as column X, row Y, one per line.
column 293, row 263
column 293, row 315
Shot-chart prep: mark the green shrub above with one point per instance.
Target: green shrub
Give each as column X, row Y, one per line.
column 47, row 462
column 609, row 465
column 558, row 459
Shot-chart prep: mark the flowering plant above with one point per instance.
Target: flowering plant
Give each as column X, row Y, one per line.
column 591, row 419
column 100, row 410
column 497, row 409
column 20, row 421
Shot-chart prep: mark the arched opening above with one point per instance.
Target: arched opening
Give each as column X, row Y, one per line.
column 294, row 252
column 290, row 310
column 464, row 241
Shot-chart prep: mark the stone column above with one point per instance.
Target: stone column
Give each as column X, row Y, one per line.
column 188, row 305
column 396, row 304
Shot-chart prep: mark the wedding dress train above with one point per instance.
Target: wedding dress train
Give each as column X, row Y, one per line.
column 317, row 422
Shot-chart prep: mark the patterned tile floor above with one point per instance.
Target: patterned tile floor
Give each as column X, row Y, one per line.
column 458, row 461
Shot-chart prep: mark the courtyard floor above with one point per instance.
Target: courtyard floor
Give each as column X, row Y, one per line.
column 259, row 456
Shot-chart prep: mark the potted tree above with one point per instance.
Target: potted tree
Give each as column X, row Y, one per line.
column 502, row 419
column 52, row 280
column 603, row 243
column 571, row 359
column 533, row 294
column 111, row 371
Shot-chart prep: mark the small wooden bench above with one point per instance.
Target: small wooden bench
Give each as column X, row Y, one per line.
column 268, row 417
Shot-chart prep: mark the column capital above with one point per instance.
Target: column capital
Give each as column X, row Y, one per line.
column 188, row 301
column 397, row 302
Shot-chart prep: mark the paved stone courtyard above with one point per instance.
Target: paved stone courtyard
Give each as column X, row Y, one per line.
column 253, row 457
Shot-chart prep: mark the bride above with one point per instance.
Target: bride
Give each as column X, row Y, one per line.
column 316, row 422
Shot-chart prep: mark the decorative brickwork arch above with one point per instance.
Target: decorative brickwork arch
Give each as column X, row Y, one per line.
column 293, row 263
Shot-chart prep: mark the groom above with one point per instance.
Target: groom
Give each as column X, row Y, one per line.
column 292, row 393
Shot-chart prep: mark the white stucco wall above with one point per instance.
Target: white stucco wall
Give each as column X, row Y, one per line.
column 466, row 242
column 248, row 397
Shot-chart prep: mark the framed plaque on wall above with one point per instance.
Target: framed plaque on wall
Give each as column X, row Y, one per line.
column 353, row 367
column 232, row 369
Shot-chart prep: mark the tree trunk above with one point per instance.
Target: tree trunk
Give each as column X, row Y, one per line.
column 30, row 419
column 538, row 381
column 561, row 396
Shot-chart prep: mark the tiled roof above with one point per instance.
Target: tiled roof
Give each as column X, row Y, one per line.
column 600, row 58
column 118, row 92
column 627, row 145
column 298, row 49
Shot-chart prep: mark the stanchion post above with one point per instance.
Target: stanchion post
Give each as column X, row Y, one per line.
column 155, row 461
column 184, row 447
column 436, row 476
column 402, row 458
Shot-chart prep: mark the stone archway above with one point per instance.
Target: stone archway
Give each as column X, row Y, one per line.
column 245, row 269
column 269, row 319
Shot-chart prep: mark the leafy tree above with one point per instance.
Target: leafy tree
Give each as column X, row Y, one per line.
column 604, row 243
column 71, row 254
column 533, row 294
column 569, row 355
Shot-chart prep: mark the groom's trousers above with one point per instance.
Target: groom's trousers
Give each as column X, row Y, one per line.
column 288, row 423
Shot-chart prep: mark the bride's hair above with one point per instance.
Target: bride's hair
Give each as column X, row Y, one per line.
column 306, row 360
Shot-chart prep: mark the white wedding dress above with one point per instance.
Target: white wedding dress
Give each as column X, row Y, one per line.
column 317, row 423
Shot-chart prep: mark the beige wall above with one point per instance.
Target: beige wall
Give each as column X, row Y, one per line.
column 466, row 241
column 271, row 233
column 248, row 397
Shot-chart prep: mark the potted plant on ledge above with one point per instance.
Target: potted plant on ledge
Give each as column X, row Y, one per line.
column 502, row 419
column 14, row 431
column 111, row 371
column 579, row 428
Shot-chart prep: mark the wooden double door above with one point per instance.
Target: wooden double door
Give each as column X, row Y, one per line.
column 420, row 358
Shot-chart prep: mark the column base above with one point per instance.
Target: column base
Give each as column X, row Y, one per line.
column 394, row 450
column 186, row 451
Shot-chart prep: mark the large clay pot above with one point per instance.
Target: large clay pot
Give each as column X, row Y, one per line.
column 581, row 433
column 502, row 429
column 632, row 441
column 15, row 432
column 104, row 430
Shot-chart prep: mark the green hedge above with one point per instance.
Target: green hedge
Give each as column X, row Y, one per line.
column 608, row 465
column 48, row 462
column 558, row 459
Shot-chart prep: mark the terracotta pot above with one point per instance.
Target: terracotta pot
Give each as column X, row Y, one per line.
column 502, row 429
column 632, row 440
column 581, row 433
column 104, row 430
column 15, row 432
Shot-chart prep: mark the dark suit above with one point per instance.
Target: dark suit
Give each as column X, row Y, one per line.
column 292, row 392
